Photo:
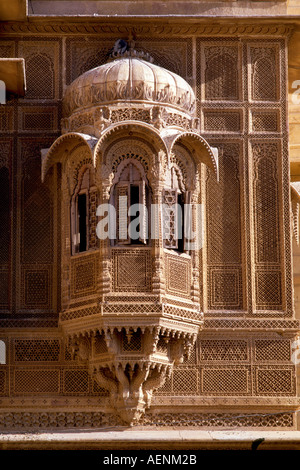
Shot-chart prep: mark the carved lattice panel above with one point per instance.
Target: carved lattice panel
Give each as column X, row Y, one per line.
column 83, row 276
column 224, row 350
column 272, row 380
column 83, row 56
column 172, row 54
column 183, row 382
column 268, row 278
column 265, row 121
column 131, row 270
column 99, row 391
column 36, row 350
column 6, row 118
column 100, row 345
column 3, row 381
column 36, row 381
column 93, row 200
column 130, row 114
column 221, row 72
column 7, row 48
column 223, row 208
column 265, row 73
column 192, row 359
column 222, row 420
column 223, row 223
column 162, row 346
column 225, row 288
column 226, row 380
column 266, row 204
column 38, row 119
column 76, row 381
column 36, row 287
column 4, row 288
column 270, row 350
column 220, row 121
column 5, row 231
column 132, row 342
column 37, row 206
column 170, row 222
column 178, row 275
column 42, row 68
column 268, row 290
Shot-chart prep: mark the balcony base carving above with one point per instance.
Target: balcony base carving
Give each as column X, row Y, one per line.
column 131, row 356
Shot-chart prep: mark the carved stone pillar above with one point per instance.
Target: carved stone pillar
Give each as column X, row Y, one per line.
column 66, row 244
column 197, row 230
column 157, row 179
column 105, row 258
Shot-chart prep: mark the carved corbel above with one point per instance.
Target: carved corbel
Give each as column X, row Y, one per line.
column 155, row 381
column 196, row 124
column 101, row 120
column 177, row 350
column 124, row 384
column 151, row 340
column 79, row 348
column 106, row 382
column 138, row 380
column 157, row 172
column 157, row 118
column 188, row 345
column 111, row 341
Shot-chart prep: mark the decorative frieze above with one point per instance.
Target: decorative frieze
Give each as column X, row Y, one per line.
column 110, row 29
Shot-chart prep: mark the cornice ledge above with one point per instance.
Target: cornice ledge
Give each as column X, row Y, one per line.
column 157, row 30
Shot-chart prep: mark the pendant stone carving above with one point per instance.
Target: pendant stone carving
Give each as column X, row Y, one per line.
column 131, row 361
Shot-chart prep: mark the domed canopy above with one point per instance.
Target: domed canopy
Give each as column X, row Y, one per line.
column 129, row 80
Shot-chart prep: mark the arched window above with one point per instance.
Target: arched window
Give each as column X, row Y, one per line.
column 130, row 197
column 221, row 78
column 80, row 211
column 40, row 77
column 264, row 80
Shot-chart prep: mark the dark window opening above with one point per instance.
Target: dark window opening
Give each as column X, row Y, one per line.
column 174, row 220
column 180, row 222
column 131, row 198
column 135, row 199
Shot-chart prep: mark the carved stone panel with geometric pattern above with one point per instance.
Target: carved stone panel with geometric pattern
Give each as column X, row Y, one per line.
column 178, row 276
column 131, row 271
column 121, row 321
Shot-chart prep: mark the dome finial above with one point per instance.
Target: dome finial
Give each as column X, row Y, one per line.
column 125, row 48
column 131, row 43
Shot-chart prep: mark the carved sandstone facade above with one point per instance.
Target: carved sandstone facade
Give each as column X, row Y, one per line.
column 100, row 332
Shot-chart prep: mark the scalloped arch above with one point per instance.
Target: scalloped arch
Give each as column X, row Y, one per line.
column 137, row 128
column 201, row 149
column 65, row 143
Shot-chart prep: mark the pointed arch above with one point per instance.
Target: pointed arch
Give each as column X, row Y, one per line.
column 136, row 128
column 62, row 146
column 202, row 151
